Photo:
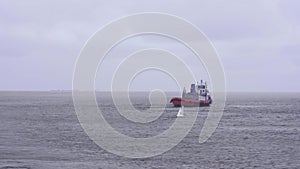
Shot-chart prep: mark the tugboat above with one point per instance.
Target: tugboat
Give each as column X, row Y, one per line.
column 197, row 97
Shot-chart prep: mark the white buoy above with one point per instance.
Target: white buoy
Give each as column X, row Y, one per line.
column 180, row 112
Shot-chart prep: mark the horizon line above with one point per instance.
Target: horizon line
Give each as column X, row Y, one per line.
column 70, row 90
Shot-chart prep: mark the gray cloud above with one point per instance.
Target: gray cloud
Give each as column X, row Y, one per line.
column 257, row 41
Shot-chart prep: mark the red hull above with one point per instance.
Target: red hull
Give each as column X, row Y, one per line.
column 178, row 102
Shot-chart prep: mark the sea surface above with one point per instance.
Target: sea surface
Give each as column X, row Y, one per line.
column 257, row 130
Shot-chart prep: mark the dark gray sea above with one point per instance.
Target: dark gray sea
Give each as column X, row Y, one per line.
column 257, row 130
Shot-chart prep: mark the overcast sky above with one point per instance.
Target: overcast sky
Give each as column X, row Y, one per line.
column 258, row 41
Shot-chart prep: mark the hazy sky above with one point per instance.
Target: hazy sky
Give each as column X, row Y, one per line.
column 258, row 41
